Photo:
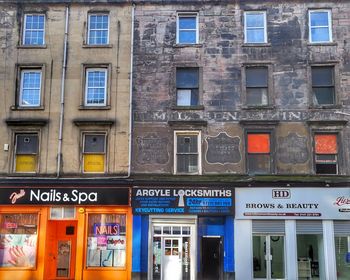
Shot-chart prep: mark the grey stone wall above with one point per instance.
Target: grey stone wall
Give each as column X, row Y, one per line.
column 221, row 55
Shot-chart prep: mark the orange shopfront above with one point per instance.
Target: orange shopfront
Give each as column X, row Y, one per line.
column 65, row 233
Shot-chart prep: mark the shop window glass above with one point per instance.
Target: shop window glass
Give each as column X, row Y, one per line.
column 259, row 153
column 326, row 154
column 268, row 256
column 94, row 153
column 18, row 240
column 342, row 254
column 26, row 158
column 310, row 256
column 106, row 244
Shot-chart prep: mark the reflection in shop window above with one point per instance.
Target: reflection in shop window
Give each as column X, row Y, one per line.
column 106, row 240
column 18, row 240
column 310, row 249
column 342, row 254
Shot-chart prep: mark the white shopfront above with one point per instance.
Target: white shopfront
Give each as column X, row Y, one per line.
column 292, row 233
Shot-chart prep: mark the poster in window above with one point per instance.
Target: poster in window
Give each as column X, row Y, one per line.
column 258, row 143
column 106, row 257
column 17, row 250
column 119, row 258
column 92, row 243
column 116, row 242
column 93, row 257
column 102, row 242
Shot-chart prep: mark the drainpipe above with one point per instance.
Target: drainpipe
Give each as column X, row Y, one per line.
column 63, row 80
column 131, row 82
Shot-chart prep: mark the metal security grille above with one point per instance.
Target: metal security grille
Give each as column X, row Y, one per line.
column 268, row 226
column 342, row 227
column 309, row 227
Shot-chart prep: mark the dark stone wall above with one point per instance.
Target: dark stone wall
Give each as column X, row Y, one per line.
column 221, row 55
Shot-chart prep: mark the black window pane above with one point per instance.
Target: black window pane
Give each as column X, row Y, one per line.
column 259, row 164
column 324, row 95
column 256, row 77
column 27, row 144
column 187, row 163
column 194, row 97
column 187, row 144
column 187, row 78
column 330, row 168
column 94, row 143
column 325, row 158
column 257, row 96
column 322, row 76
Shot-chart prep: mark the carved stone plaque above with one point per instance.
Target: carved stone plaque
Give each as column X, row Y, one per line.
column 292, row 149
column 152, row 149
column 223, row 149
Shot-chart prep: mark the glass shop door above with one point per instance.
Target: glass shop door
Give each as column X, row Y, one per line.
column 268, row 257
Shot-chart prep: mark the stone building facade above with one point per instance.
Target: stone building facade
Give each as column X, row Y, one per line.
column 65, row 125
column 250, row 96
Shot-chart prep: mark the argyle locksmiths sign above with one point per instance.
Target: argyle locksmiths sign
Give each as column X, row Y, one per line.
column 184, row 200
column 64, row 196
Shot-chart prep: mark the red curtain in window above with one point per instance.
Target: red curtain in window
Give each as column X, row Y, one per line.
column 259, row 143
column 326, row 144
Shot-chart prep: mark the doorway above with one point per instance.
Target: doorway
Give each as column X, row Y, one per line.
column 268, row 257
column 173, row 252
column 61, row 249
column 211, row 258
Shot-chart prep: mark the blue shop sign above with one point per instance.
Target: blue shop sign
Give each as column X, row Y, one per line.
column 184, row 200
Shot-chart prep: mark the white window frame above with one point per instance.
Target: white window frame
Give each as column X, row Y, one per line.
column 264, row 27
column 329, row 13
column 88, row 28
column 199, row 150
column 24, row 30
column 23, row 71
column 87, row 70
column 184, row 15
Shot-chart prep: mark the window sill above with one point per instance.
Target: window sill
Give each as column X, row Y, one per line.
column 188, row 174
column 323, row 44
column 32, row 46
column 254, row 45
column 315, row 107
column 197, row 107
column 86, row 46
column 17, row 108
column 178, row 45
column 82, row 107
column 257, row 107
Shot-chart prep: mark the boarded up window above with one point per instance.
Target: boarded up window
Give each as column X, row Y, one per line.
column 94, row 153
column 259, row 143
column 326, row 143
column 26, row 153
column 326, row 154
column 258, row 153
